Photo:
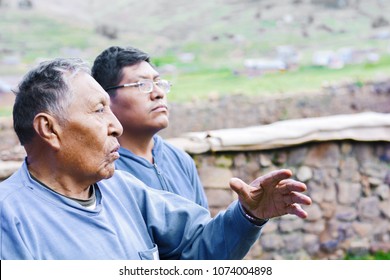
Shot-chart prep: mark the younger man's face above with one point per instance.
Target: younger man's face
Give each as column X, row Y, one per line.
column 138, row 112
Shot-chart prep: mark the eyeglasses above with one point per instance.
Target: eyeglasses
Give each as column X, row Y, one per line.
column 146, row 86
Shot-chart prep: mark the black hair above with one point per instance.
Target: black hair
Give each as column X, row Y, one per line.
column 107, row 67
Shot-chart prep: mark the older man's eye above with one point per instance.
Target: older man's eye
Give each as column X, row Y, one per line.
column 100, row 110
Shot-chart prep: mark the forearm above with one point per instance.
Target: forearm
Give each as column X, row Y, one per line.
column 228, row 236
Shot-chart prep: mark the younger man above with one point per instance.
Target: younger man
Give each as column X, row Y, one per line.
column 139, row 100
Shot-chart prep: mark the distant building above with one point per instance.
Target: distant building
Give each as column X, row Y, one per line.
column 344, row 56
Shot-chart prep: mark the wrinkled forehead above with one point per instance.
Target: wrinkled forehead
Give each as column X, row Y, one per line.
column 86, row 89
column 141, row 70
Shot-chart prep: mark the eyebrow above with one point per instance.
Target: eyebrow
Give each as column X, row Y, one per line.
column 147, row 77
column 101, row 98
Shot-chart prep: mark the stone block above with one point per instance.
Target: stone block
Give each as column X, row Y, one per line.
column 215, row 177
column 7, row 168
column 323, row 155
column 369, row 207
column 348, row 193
column 219, row 197
column 304, row 173
column 314, row 212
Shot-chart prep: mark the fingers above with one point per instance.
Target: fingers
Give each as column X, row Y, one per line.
column 285, row 187
column 301, row 198
column 291, row 185
column 296, row 209
column 272, row 179
column 295, row 197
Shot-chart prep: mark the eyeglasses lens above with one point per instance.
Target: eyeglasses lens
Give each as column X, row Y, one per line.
column 164, row 85
column 146, row 86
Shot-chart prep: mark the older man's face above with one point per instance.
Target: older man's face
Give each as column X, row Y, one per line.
column 89, row 137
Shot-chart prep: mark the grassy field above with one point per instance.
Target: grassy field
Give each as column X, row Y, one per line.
column 220, row 35
column 202, row 83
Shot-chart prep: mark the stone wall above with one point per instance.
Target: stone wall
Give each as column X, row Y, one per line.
column 349, row 183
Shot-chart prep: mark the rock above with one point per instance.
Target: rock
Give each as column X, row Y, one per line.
column 369, row 207
column 7, row 168
column 314, row 212
column 215, row 177
column 323, row 155
column 348, row 193
column 304, row 173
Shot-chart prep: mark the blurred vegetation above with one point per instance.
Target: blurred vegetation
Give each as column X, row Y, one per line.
column 5, row 111
column 200, row 83
column 219, row 34
column 376, row 256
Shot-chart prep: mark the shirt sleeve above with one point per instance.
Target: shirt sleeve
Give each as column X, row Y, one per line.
column 12, row 246
column 184, row 230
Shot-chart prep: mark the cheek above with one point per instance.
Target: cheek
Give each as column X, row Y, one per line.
column 130, row 111
column 87, row 141
column 84, row 139
column 83, row 148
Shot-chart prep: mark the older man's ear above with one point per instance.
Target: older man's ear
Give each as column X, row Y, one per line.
column 47, row 129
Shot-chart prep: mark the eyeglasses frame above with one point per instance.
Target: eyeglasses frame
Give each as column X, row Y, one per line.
column 137, row 84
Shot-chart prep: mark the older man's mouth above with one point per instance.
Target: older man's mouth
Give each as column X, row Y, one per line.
column 114, row 152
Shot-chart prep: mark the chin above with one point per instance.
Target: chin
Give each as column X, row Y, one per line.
column 111, row 173
column 164, row 123
column 160, row 126
column 108, row 172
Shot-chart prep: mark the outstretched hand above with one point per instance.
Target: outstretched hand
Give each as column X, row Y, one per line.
column 272, row 195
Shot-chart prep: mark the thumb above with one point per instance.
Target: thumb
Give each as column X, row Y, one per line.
column 240, row 187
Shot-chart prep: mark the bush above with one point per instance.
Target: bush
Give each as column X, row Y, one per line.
column 376, row 256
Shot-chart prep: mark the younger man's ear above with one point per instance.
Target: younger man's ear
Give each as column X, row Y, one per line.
column 47, row 128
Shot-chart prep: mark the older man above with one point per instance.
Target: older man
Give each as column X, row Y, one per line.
column 66, row 201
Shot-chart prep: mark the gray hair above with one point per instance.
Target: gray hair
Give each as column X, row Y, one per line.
column 45, row 88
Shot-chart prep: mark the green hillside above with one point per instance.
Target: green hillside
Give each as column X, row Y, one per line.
column 218, row 36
